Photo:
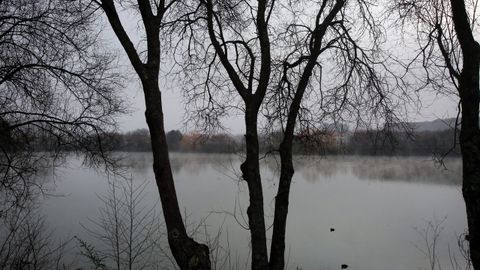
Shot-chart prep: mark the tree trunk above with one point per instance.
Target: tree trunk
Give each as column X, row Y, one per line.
column 470, row 147
column 277, row 252
column 188, row 253
column 251, row 174
column 470, row 134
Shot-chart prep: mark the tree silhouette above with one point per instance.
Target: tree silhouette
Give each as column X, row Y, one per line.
column 188, row 253
column 57, row 86
column 279, row 62
column 450, row 56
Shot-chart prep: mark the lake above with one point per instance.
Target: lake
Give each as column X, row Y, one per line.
column 379, row 207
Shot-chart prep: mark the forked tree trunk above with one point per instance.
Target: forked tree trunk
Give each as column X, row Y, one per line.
column 277, row 250
column 188, row 254
column 251, row 166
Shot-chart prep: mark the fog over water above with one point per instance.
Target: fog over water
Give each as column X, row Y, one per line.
column 375, row 205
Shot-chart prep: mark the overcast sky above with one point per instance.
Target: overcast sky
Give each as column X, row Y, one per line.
column 433, row 106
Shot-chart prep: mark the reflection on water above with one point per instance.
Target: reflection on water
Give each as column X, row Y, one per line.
column 414, row 170
column 192, row 163
column 315, row 168
column 373, row 203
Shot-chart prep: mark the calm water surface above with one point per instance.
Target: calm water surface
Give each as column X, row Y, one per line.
column 376, row 205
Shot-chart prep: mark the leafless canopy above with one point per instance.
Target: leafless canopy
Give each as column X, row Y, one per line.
column 449, row 54
column 438, row 59
column 56, row 88
column 353, row 79
column 299, row 64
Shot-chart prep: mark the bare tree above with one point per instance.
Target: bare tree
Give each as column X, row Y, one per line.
column 280, row 59
column 188, row 253
column 450, row 57
column 430, row 245
column 58, row 90
column 27, row 243
column 127, row 231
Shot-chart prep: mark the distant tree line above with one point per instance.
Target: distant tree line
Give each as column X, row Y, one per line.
column 323, row 142
column 402, row 143
column 139, row 140
column 371, row 143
